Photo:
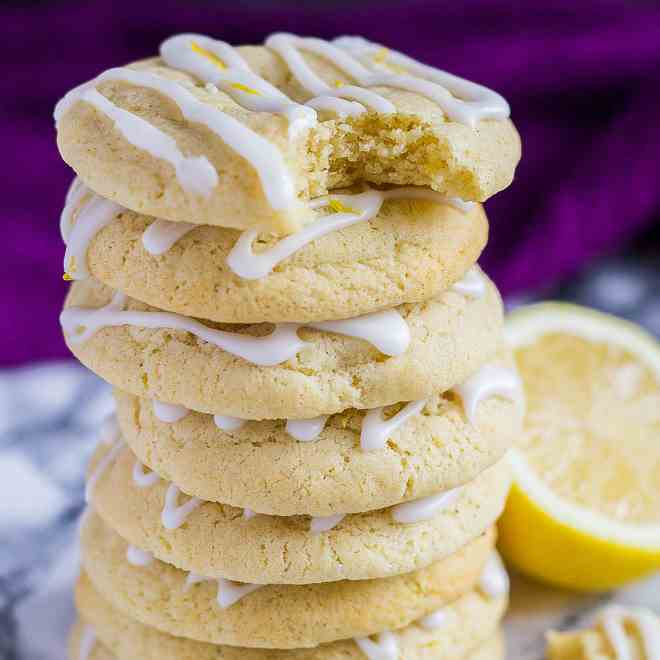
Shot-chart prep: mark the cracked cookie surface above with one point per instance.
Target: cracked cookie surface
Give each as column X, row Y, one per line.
column 217, row 540
column 274, row 616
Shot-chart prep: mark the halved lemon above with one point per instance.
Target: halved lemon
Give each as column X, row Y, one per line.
column 584, row 510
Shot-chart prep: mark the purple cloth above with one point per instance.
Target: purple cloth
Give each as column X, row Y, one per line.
column 582, row 80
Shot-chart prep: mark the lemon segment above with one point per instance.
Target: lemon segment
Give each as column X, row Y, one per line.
column 584, row 511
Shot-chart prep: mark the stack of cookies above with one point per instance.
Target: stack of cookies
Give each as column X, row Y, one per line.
column 274, row 253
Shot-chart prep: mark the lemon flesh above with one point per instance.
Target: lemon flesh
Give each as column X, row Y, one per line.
column 584, row 511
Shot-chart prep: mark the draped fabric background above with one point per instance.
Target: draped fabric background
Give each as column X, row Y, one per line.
column 582, row 79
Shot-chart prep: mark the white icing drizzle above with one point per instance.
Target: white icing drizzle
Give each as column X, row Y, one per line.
column 229, row 592
column 359, row 207
column 320, row 524
column 376, row 430
column 169, row 412
column 473, row 284
column 74, row 195
column 340, row 107
column 161, row 235
column 282, row 344
column 173, row 515
column 424, row 508
column 195, row 174
column 195, row 578
column 219, row 64
column 144, row 479
column 92, row 217
column 288, row 46
column 612, row 620
column 494, row 580
column 228, row 423
column 101, row 467
column 138, row 557
column 386, row 330
column 87, row 643
column 461, row 100
column 248, row 514
column 306, row 430
column 490, row 380
column 435, row 620
column 386, row 646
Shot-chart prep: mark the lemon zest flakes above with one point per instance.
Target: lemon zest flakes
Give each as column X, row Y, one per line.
column 338, row 207
column 214, row 59
column 381, row 55
column 338, row 83
column 67, row 278
column 245, row 88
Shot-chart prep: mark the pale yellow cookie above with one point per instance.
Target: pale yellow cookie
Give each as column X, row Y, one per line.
column 276, row 616
column 218, row 540
column 492, row 649
column 450, row 337
column 472, row 621
column 618, row 632
column 262, row 467
column 411, row 252
column 189, row 172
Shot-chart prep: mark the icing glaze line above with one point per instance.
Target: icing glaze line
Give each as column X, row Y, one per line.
column 387, row 331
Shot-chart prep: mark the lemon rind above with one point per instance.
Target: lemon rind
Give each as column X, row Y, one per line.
column 523, row 327
column 578, row 517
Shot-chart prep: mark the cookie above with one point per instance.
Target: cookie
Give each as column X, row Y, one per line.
column 217, row 540
column 323, row 467
column 220, row 136
column 469, row 623
column 617, row 632
column 410, row 251
column 274, row 616
column 493, row 649
column 432, row 346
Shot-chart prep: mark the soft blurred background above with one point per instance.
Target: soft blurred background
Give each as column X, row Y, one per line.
column 580, row 221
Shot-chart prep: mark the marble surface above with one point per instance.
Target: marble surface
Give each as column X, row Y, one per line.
column 49, row 419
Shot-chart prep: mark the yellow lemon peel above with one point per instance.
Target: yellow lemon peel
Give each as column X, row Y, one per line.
column 338, row 207
column 67, row 278
column 338, row 83
column 214, row 59
column 583, row 511
column 246, row 89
